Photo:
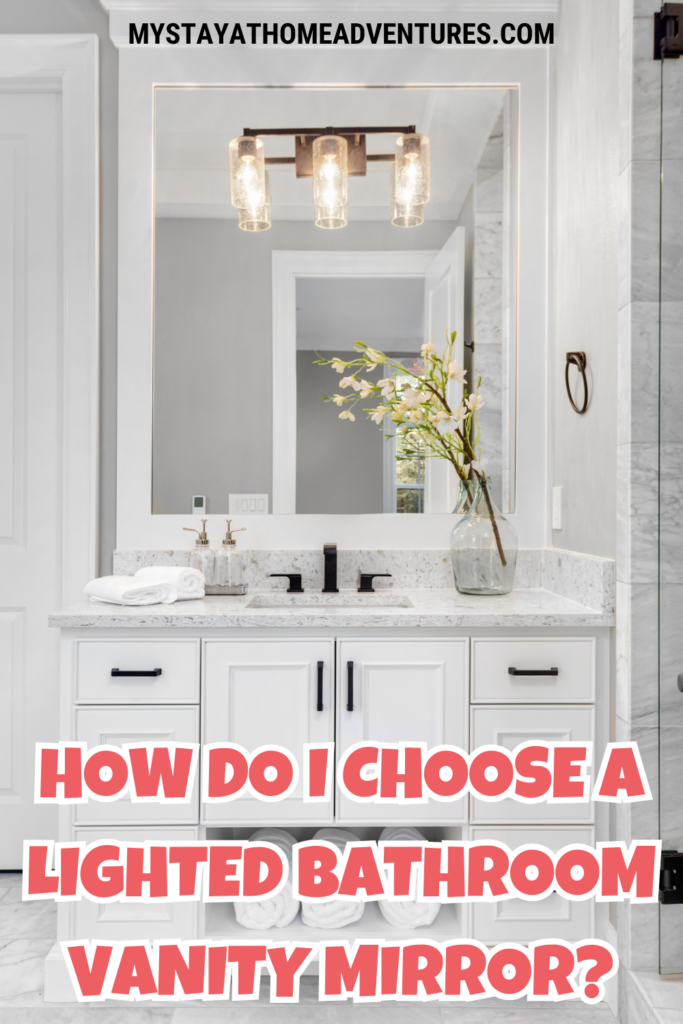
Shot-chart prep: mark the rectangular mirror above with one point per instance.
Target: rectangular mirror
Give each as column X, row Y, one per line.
column 242, row 316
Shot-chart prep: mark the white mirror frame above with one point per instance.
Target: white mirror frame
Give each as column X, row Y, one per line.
column 143, row 68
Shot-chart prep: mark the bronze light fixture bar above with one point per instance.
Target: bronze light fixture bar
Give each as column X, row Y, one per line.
column 355, row 139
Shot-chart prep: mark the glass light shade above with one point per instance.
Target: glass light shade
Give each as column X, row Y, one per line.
column 404, row 215
column 411, row 170
column 330, row 216
column 247, row 173
column 330, row 174
column 257, row 218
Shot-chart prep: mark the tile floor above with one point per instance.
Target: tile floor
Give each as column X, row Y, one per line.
column 28, row 931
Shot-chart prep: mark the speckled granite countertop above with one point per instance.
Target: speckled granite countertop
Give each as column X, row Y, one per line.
column 276, row 609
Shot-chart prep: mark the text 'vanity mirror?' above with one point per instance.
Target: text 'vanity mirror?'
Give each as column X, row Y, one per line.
column 335, row 303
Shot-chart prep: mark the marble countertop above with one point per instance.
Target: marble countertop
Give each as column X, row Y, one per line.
column 275, row 609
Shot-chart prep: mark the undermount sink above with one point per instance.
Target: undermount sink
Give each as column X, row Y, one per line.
column 319, row 600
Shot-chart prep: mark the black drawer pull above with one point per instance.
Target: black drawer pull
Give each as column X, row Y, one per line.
column 320, row 686
column 533, row 671
column 349, row 686
column 145, row 672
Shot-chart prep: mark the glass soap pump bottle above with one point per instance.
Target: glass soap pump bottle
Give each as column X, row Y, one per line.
column 201, row 556
column 229, row 571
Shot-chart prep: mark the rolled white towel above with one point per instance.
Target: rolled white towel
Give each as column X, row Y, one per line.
column 281, row 910
column 406, row 913
column 188, row 582
column 336, row 913
column 128, row 590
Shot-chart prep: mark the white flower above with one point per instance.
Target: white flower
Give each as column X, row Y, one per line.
column 480, row 465
column 474, row 402
column 413, row 398
column 371, row 366
column 461, row 413
column 339, row 365
column 388, row 386
column 379, row 413
column 347, row 415
column 426, row 349
column 338, row 399
column 397, row 416
column 345, row 382
column 456, row 371
column 365, row 388
column 377, row 357
column 405, row 429
column 416, row 415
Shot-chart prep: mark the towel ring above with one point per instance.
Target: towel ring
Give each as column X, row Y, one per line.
column 577, row 359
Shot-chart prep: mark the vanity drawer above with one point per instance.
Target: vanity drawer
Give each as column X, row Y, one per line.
column 573, row 657
column 123, row 920
column 510, row 726
column 177, row 682
column 519, row 920
column 115, row 726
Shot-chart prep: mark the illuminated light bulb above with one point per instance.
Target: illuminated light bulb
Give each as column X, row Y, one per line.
column 330, row 180
column 247, row 173
column 404, row 215
column 412, row 170
column 257, row 217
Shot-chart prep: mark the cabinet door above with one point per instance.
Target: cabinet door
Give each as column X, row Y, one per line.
column 119, row 725
column 264, row 692
column 415, row 690
column 509, row 726
column 520, row 920
column 124, row 920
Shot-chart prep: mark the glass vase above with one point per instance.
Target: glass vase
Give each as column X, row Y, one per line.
column 465, row 496
column 484, row 547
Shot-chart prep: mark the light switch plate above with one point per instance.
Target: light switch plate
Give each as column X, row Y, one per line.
column 557, row 508
column 248, row 504
column 198, row 504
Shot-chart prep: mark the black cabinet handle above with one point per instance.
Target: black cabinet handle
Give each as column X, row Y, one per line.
column 294, row 581
column 533, row 671
column 320, row 686
column 349, row 686
column 125, row 672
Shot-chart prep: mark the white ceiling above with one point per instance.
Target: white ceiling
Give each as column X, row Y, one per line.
column 194, row 127
column 386, row 313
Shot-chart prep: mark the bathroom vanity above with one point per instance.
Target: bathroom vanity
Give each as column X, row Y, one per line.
column 399, row 664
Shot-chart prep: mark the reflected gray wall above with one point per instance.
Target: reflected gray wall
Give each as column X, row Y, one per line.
column 339, row 464
column 213, row 312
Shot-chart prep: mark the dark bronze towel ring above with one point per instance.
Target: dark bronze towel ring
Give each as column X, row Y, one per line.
column 578, row 359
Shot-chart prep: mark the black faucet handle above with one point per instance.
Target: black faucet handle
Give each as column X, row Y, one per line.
column 366, row 579
column 294, row 581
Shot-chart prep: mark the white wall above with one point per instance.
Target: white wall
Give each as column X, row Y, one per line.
column 585, row 270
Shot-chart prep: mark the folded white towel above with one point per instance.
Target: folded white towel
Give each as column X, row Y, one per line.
column 336, row 913
column 406, row 913
column 128, row 590
column 281, row 910
column 188, row 582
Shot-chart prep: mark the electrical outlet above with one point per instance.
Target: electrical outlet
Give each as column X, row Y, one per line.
column 248, row 504
column 557, row 508
column 198, row 504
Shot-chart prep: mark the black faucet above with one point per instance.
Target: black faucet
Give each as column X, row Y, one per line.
column 330, row 552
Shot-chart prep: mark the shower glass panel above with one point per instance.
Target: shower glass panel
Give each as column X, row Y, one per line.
column 670, row 495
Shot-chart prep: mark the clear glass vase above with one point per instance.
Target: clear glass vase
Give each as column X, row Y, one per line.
column 484, row 547
column 465, row 496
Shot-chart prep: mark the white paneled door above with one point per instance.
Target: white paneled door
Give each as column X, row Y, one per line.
column 37, row 501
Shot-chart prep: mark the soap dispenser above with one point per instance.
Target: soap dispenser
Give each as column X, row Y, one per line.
column 229, row 570
column 201, row 556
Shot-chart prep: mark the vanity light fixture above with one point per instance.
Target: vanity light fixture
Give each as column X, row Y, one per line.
column 329, row 156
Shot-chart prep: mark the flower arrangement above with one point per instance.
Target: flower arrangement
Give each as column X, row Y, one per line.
column 427, row 423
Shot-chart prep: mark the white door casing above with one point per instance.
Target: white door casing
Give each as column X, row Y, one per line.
column 48, row 391
column 444, row 307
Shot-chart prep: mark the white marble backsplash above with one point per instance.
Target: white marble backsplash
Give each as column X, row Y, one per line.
column 582, row 578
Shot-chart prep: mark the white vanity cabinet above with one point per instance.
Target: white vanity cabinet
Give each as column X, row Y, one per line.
column 289, row 687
